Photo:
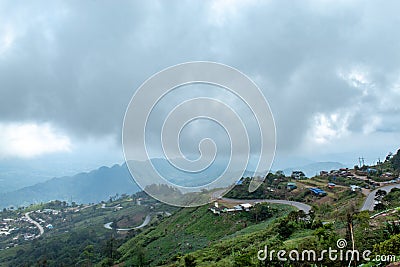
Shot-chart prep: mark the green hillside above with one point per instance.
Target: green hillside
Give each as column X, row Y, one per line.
column 188, row 230
column 136, row 230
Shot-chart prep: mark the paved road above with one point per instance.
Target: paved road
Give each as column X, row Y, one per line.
column 103, row 206
column 218, row 193
column 369, row 202
column 368, row 205
column 41, row 230
column 108, row 225
column 145, row 222
column 300, row 206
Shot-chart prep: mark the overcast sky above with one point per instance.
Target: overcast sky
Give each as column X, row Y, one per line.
column 329, row 69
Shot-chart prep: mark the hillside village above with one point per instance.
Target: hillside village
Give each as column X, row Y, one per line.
column 323, row 187
column 21, row 226
column 27, row 226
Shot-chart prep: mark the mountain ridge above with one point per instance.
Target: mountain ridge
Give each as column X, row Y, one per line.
column 84, row 187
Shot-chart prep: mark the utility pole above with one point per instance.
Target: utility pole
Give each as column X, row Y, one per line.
column 379, row 163
column 361, row 161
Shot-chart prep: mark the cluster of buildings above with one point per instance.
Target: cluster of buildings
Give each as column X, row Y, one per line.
column 218, row 209
column 23, row 228
column 51, row 211
column 14, row 230
column 5, row 227
column 320, row 192
column 343, row 172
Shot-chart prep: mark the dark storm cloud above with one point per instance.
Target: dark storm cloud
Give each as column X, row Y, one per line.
column 77, row 63
column 298, row 50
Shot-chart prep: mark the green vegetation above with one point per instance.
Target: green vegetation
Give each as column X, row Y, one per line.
column 395, row 161
column 78, row 235
column 273, row 187
column 393, row 198
column 191, row 229
column 198, row 237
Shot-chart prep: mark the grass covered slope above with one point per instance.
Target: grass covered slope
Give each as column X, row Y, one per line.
column 188, row 230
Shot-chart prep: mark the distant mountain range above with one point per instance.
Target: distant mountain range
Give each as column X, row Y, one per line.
column 13, row 176
column 87, row 187
column 16, row 173
column 191, row 179
column 104, row 182
column 312, row 169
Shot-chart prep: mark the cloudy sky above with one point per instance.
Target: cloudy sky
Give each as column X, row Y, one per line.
column 329, row 69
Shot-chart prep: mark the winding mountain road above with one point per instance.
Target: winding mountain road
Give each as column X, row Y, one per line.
column 369, row 202
column 368, row 205
column 144, row 223
column 41, row 230
column 298, row 205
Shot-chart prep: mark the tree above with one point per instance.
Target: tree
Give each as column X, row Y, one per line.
column 395, row 160
column 389, row 247
column 88, row 253
column 286, row 228
column 380, row 206
column 243, row 260
column 280, row 174
column 261, row 212
column 111, row 249
column 189, row 261
column 389, row 156
column 380, row 193
column 141, row 257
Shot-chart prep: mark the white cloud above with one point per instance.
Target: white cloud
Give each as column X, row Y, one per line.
column 373, row 123
column 6, row 38
column 329, row 127
column 357, row 77
column 221, row 11
column 27, row 140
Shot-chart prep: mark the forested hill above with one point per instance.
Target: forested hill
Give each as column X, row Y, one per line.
column 88, row 187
